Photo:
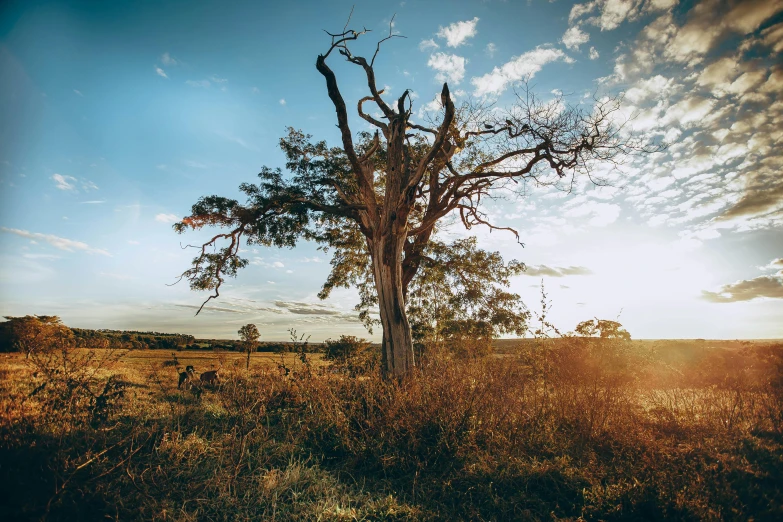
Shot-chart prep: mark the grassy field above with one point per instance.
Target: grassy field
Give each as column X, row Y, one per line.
column 574, row 429
column 208, row 360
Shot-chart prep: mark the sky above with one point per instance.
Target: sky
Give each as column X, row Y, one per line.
column 117, row 116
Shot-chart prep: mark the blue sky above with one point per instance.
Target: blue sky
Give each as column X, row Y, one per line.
column 117, row 116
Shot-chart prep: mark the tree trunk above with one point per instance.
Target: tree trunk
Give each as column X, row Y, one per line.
column 397, row 347
column 247, row 367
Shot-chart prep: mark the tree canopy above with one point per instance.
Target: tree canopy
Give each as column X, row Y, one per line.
column 378, row 199
column 249, row 335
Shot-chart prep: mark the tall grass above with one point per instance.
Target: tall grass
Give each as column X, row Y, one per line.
column 568, row 429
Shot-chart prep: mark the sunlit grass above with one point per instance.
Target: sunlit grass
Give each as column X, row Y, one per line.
column 565, row 429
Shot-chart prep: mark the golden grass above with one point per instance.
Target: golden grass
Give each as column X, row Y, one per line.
column 573, row 430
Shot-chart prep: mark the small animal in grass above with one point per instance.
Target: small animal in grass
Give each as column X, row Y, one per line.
column 186, row 376
column 210, row 377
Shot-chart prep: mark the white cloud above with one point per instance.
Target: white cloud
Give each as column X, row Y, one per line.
column 456, row 33
column 594, row 54
column 61, row 243
column 521, row 67
column 652, row 88
column 167, row 59
column 491, row 49
column 79, row 93
column 688, row 111
column 579, row 10
column 574, row 37
column 282, row 101
column 216, row 79
column 431, row 106
column 161, row 72
column 64, row 182
column 166, row 218
column 426, row 45
column 198, row 83
column 278, row 264
column 614, row 12
column 450, row 67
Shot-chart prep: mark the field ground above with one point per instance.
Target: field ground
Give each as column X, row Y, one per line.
column 203, row 360
column 549, row 430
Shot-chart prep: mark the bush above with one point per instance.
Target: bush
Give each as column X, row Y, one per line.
column 351, row 354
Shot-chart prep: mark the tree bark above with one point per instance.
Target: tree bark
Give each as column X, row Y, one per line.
column 397, row 347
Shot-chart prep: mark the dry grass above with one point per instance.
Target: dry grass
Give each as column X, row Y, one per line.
column 568, row 430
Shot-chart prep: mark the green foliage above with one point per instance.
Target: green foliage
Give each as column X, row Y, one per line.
column 249, row 334
column 351, row 354
column 459, row 298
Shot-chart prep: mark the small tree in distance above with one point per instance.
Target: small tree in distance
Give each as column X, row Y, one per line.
column 604, row 328
column 379, row 198
column 249, row 335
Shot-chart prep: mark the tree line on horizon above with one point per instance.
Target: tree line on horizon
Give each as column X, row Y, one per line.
column 22, row 334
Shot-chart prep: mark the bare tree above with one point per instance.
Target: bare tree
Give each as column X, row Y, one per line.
column 389, row 190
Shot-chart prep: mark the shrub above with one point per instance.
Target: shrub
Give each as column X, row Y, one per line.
column 351, row 354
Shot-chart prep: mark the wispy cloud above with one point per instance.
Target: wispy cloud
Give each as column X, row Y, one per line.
column 88, row 185
column 304, row 308
column 491, row 49
column 166, row 218
column 93, row 202
column 556, row 271
column 160, row 72
column 518, row 68
column 194, row 164
column 79, row 93
column 746, row 290
column 282, row 101
column 198, row 83
column 61, row 243
column 64, row 182
column 428, row 45
column 167, row 59
column 456, row 33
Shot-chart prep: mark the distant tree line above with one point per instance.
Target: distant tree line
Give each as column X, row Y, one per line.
column 23, row 334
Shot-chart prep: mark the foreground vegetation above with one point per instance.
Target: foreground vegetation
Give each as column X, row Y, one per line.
column 578, row 428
